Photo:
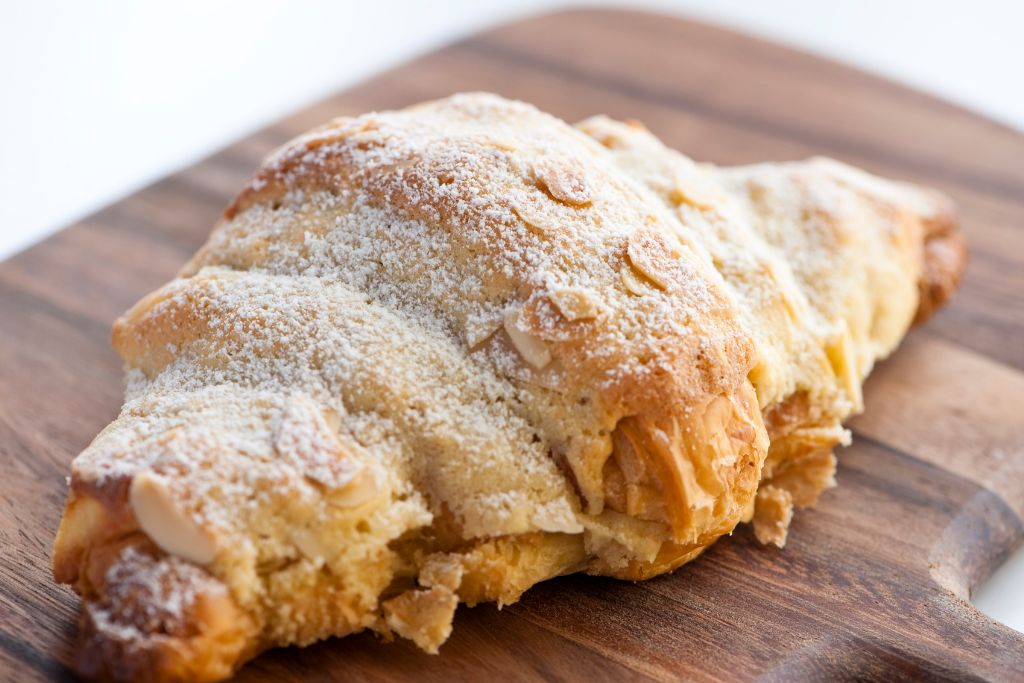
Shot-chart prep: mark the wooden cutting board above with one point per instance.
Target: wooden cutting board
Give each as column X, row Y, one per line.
column 871, row 585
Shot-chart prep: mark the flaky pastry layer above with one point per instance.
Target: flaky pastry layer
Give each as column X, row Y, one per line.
column 441, row 354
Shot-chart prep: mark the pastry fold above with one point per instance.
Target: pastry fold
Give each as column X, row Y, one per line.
column 441, row 354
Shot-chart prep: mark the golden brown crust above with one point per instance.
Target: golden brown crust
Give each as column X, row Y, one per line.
column 697, row 472
column 945, row 259
column 157, row 620
column 442, row 354
column 829, row 266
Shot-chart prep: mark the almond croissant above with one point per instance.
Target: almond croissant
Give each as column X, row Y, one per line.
column 438, row 355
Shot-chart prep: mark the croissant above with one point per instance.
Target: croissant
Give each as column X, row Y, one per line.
column 441, row 354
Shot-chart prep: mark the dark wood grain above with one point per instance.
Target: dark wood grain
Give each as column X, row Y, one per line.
column 873, row 581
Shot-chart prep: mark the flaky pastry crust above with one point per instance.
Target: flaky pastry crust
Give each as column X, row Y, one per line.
column 438, row 355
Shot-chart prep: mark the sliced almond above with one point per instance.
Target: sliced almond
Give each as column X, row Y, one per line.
column 308, row 543
column 565, row 182
column 535, row 220
column 479, row 329
column 332, row 418
column 530, row 347
column 605, row 131
column 649, row 254
column 501, row 142
column 304, row 439
column 694, row 190
column 170, row 527
column 633, row 282
column 576, row 303
column 540, row 317
column 361, row 489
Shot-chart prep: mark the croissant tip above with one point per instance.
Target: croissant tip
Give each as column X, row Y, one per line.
column 945, row 258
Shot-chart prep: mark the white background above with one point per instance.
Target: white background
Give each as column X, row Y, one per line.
column 101, row 97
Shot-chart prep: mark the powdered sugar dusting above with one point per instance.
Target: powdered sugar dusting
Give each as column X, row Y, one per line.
column 349, row 316
column 147, row 598
column 444, row 316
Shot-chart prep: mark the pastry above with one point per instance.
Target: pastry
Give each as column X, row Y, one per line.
column 441, row 354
